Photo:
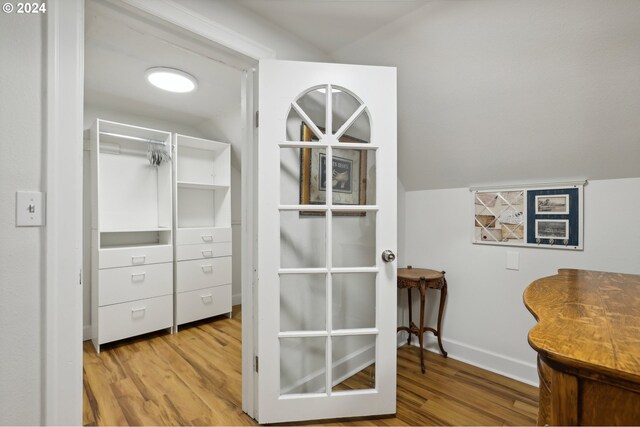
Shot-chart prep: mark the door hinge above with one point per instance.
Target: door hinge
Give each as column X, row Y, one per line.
column 257, row 360
column 80, row 277
column 257, row 118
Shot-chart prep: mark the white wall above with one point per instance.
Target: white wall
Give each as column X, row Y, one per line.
column 485, row 321
column 21, row 256
column 403, row 314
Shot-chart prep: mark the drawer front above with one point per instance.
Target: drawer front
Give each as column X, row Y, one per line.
column 203, row 303
column 125, row 257
column 205, row 273
column 202, row 235
column 211, row 250
column 129, row 319
column 124, row 284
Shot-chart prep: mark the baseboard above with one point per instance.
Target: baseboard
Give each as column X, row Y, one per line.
column 402, row 338
column 485, row 359
column 86, row 333
column 236, row 299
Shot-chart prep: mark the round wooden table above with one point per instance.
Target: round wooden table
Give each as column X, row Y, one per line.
column 423, row 278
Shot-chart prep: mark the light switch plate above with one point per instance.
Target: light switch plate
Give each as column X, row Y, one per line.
column 513, row 260
column 29, row 209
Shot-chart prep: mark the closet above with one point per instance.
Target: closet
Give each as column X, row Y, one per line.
column 161, row 230
column 203, row 228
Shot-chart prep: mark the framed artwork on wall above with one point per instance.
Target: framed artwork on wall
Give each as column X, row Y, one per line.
column 538, row 215
column 348, row 175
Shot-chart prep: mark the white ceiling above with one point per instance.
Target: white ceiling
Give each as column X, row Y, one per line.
column 331, row 24
column 118, row 51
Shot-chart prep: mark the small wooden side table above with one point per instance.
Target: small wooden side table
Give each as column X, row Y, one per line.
column 422, row 279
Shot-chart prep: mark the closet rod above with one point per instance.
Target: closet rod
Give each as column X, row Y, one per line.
column 134, row 138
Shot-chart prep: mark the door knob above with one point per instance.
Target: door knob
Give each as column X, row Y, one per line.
column 388, row 256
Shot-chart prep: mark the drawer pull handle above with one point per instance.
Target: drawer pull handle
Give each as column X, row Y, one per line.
column 207, row 298
column 138, row 312
column 207, row 237
column 207, row 268
column 207, row 254
column 140, row 259
column 137, row 277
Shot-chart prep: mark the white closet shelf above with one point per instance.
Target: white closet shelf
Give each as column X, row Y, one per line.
column 201, row 185
column 135, row 245
column 203, row 228
column 137, row 230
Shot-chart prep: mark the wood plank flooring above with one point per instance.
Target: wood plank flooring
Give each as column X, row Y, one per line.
column 194, row 378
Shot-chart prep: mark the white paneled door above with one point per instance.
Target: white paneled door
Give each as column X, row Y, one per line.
column 326, row 293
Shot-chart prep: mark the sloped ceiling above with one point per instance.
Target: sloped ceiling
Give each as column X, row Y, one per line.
column 494, row 91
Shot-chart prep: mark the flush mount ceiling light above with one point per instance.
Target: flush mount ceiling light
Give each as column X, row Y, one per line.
column 171, row 80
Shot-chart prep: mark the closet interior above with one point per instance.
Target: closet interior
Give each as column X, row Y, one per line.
column 158, row 181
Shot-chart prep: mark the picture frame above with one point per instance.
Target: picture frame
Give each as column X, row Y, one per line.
column 349, row 178
column 552, row 204
column 556, row 229
column 499, row 216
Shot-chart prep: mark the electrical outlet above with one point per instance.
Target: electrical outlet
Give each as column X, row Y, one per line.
column 29, row 209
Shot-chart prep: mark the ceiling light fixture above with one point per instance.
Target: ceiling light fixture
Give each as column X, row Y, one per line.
column 171, row 80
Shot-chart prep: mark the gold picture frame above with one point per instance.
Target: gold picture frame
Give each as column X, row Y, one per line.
column 349, row 177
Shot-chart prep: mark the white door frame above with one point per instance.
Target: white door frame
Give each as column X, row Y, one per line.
column 62, row 322
column 62, row 297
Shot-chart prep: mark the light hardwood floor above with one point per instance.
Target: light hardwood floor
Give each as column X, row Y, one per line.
column 194, row 378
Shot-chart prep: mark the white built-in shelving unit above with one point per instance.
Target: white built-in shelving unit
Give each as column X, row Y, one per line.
column 161, row 233
column 132, row 232
column 202, row 171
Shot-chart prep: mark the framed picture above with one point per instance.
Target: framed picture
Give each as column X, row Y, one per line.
column 348, row 175
column 556, row 204
column 557, row 229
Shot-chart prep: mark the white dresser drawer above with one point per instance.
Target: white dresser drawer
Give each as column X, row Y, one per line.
column 206, row 250
column 123, row 284
column 128, row 319
column 203, row 273
column 203, row 303
column 140, row 255
column 192, row 236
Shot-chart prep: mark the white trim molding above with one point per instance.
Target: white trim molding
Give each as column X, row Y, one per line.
column 513, row 185
column 174, row 13
column 62, row 301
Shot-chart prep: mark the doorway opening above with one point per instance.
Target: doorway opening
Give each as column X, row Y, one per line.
column 162, row 223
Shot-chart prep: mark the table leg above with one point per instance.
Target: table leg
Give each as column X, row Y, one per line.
column 443, row 300
column 423, row 292
column 410, row 315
